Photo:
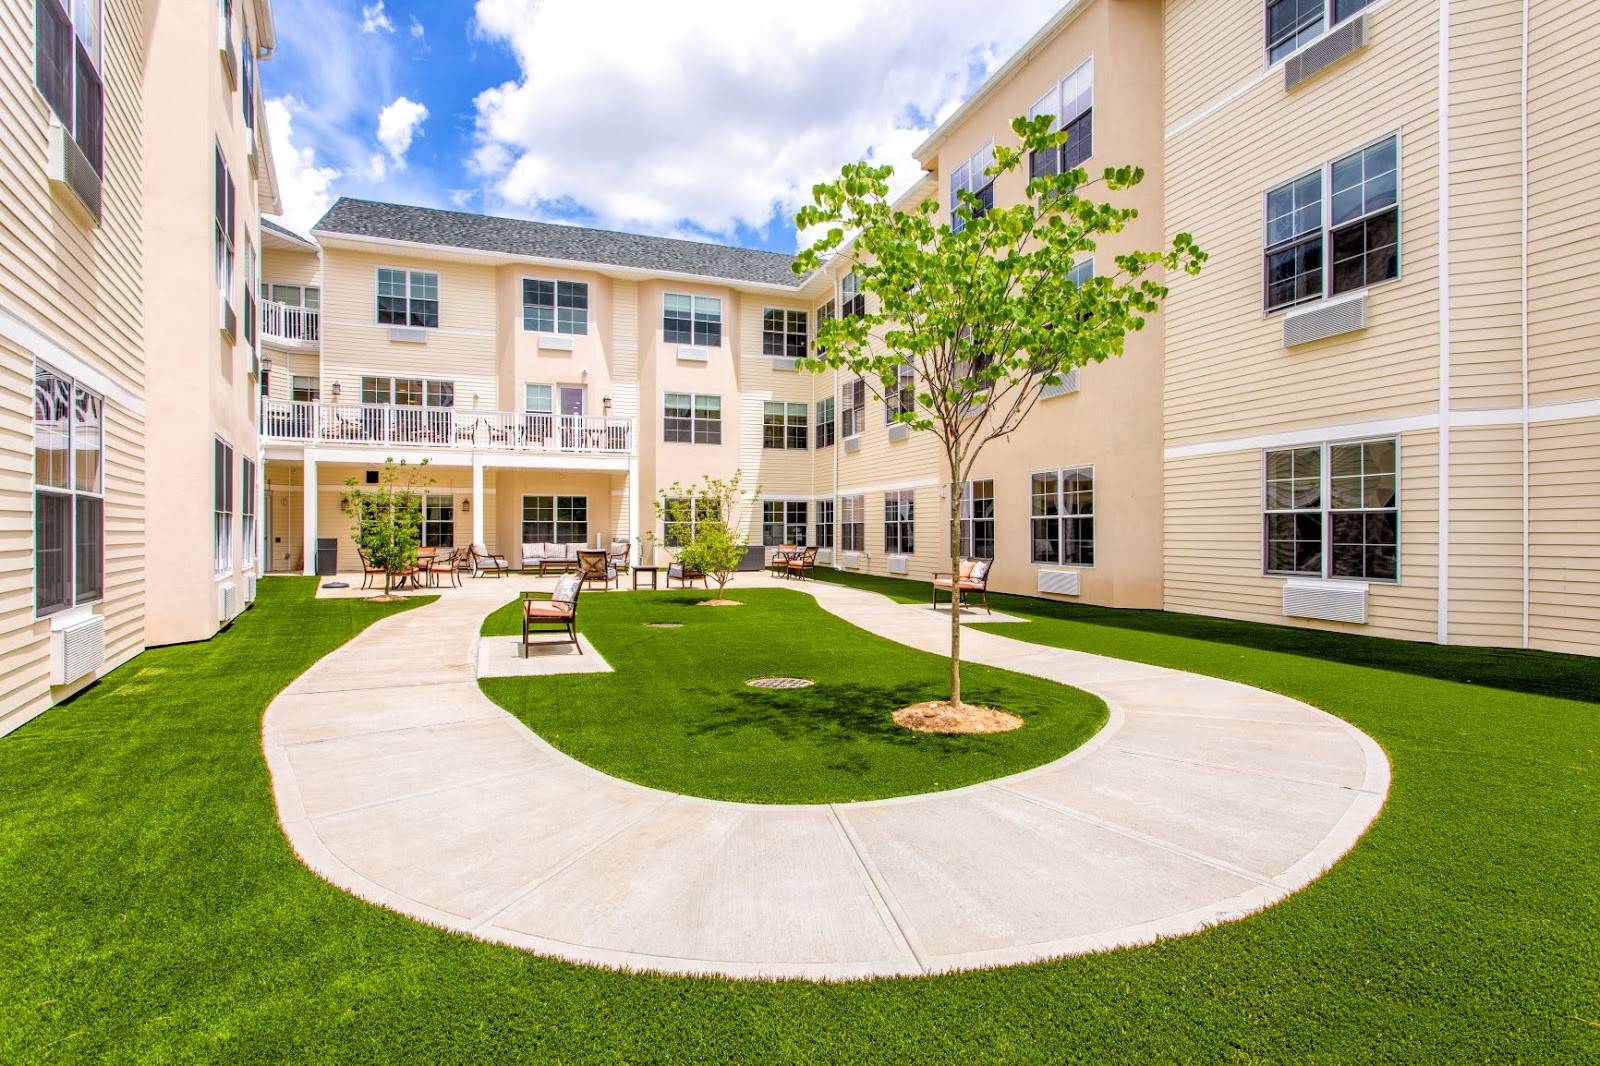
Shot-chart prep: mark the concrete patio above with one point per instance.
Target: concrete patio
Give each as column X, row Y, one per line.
column 1200, row 802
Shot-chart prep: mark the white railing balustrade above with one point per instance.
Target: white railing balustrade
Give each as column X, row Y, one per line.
column 284, row 322
column 443, row 427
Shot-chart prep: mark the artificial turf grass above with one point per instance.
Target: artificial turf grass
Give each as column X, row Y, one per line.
column 153, row 912
column 677, row 715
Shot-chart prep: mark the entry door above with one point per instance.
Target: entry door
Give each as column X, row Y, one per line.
column 572, row 402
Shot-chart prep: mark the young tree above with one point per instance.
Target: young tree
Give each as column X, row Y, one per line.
column 983, row 316
column 705, row 525
column 387, row 520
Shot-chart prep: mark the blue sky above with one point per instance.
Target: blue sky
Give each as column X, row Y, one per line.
column 708, row 119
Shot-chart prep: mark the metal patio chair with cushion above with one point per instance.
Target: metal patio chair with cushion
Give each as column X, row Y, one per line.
column 445, row 564
column 781, row 556
column 484, row 563
column 800, row 563
column 676, row 572
column 596, row 566
column 617, row 555
column 973, row 577
column 560, row 610
column 368, row 570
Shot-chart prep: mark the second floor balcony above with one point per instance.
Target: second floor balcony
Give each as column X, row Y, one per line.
column 291, row 326
column 318, row 422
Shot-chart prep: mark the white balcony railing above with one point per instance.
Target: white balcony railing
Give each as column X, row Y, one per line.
column 443, row 427
column 283, row 322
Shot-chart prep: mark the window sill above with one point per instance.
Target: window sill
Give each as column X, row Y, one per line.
column 68, row 617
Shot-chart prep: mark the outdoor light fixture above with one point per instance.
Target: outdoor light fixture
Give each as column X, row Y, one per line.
column 266, row 366
column 335, row 392
column 605, row 404
column 466, row 506
column 344, row 504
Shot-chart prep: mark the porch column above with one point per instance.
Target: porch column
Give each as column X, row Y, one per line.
column 633, row 502
column 477, row 500
column 309, row 514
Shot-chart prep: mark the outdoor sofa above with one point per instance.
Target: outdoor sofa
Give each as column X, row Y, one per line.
column 545, row 557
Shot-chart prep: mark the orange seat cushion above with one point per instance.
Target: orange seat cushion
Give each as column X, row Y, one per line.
column 547, row 610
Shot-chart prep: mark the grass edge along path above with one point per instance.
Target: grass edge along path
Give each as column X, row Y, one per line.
column 153, row 911
column 677, row 715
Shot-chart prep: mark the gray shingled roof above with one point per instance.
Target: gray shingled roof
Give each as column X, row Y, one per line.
column 456, row 229
column 284, row 231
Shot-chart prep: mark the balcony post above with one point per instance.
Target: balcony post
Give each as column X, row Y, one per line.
column 477, row 500
column 633, row 499
column 308, row 508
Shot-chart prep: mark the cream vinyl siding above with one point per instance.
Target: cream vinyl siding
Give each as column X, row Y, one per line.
column 286, row 366
column 1486, row 535
column 1563, row 188
column 1565, row 513
column 1212, row 48
column 1213, row 544
column 1485, row 205
column 625, row 349
column 292, row 268
column 777, row 471
column 461, row 350
column 1227, row 372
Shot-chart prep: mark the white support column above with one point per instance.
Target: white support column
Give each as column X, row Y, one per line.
column 477, row 500
column 309, row 514
column 633, row 505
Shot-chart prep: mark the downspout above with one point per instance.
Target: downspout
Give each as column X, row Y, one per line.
column 1443, row 632
column 1527, row 526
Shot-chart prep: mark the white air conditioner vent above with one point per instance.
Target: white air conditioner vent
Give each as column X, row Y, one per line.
column 227, row 602
column 693, row 355
column 899, row 564
column 1332, row 601
column 1327, row 50
column 784, row 362
column 408, row 335
column 852, row 444
column 850, row 560
column 1326, row 318
column 77, row 650
column 1068, row 383
column 825, row 556
column 1060, row 582
column 250, row 588
column 555, row 344
column 899, row 431
column 69, row 169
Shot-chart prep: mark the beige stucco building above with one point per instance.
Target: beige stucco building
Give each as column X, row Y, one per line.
column 104, row 206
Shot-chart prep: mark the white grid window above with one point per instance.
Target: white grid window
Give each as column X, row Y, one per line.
column 783, row 425
column 408, row 298
column 824, row 538
column 1332, row 511
column 783, row 333
column 1292, row 23
column 853, row 523
column 555, row 306
column 977, row 519
column 783, row 522
column 247, row 513
column 222, row 507
column 969, row 177
column 1061, row 516
column 1071, row 101
column 555, row 519
column 691, row 320
column 68, row 493
column 899, row 523
column 688, row 418
column 903, row 400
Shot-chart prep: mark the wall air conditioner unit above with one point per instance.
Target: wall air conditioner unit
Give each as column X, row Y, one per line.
column 899, row 564
column 77, row 650
column 1325, row 318
column 1059, row 582
column 693, row 355
column 825, row 556
column 249, row 588
column 1067, row 384
column 785, row 362
column 225, row 49
column 852, row 444
column 850, row 560
column 1331, row 601
column 227, row 317
column 227, row 602
column 555, row 344
column 899, row 431
column 250, row 155
column 70, row 171
column 1327, row 50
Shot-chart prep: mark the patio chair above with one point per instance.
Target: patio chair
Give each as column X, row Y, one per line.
column 780, row 557
column 800, row 563
column 973, row 577
column 676, row 572
column 484, row 563
column 617, row 555
column 368, row 571
column 596, row 566
column 560, row 610
column 446, row 563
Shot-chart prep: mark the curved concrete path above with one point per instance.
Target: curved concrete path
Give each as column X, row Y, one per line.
column 1201, row 801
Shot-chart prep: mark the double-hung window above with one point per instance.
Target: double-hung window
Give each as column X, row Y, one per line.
column 555, row 306
column 852, row 407
column 247, row 513
column 825, row 313
column 67, row 58
column 691, row 419
column 783, row 425
column 970, row 177
column 681, row 517
column 783, row 522
column 224, row 197
column 853, row 523
column 903, row 398
column 1332, row 511
column 977, row 519
column 826, row 427
column 68, row 493
column 1320, row 245
column 408, row 298
column 899, row 521
column 691, row 320
column 555, row 519
column 247, row 60
column 252, row 285
column 1061, row 516
column 307, row 296
column 824, row 538
column 1292, row 23
column 438, row 521
column 304, row 389
column 221, row 507
column 783, row 333
column 852, row 301
column 1071, row 101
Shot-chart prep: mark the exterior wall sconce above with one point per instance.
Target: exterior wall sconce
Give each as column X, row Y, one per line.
column 344, row 504
column 605, row 404
column 335, row 392
column 466, row 505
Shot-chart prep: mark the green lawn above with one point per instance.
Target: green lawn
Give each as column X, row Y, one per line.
column 150, row 910
column 677, row 714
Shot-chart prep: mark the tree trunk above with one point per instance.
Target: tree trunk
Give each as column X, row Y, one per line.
column 955, row 593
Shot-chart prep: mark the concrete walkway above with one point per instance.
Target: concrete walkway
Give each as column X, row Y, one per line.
column 1200, row 802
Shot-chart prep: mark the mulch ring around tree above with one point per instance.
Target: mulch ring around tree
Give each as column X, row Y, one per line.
column 937, row 716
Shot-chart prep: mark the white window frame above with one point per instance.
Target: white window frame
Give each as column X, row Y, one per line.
column 1329, row 9
column 852, row 512
column 556, row 502
column 903, row 400
column 227, row 190
column 970, row 521
column 1326, row 510
column 222, row 500
column 300, row 291
column 852, row 406
column 713, row 311
column 1324, row 173
column 1062, row 517
column 789, row 341
column 695, row 516
column 1080, row 83
column 823, row 521
column 786, row 523
column 72, row 490
column 576, row 323
column 829, row 404
column 695, row 419
column 92, row 41
column 905, row 523
column 247, row 514
column 969, row 176
column 793, row 418
column 411, row 297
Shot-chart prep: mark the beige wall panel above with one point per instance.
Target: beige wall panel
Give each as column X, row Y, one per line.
column 290, row 268
column 1564, row 587
column 1227, row 372
column 624, row 348
column 1212, row 48
column 1563, row 187
column 1486, row 535
column 512, row 485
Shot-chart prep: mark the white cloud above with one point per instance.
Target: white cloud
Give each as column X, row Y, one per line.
column 717, row 112
column 305, row 188
column 416, row 27
column 375, row 20
column 397, row 125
